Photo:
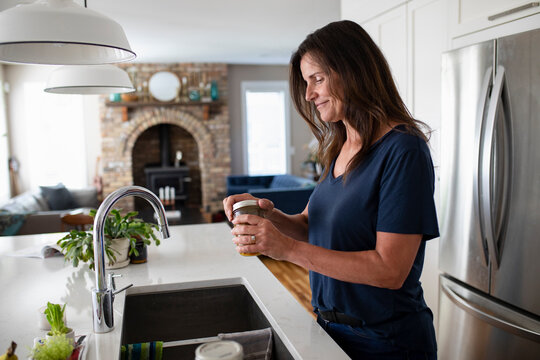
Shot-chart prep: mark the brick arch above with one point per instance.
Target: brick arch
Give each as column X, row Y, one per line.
column 146, row 119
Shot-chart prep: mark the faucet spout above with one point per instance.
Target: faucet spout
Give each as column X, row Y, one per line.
column 102, row 296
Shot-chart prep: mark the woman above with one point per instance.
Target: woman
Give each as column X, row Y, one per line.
column 362, row 235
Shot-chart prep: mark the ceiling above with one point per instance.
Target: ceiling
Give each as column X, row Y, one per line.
column 234, row 31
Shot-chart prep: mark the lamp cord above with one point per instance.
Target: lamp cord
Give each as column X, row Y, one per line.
column 84, row 3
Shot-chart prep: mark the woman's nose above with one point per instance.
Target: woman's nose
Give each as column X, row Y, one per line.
column 310, row 94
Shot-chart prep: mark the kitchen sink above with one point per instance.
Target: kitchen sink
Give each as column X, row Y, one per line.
column 185, row 311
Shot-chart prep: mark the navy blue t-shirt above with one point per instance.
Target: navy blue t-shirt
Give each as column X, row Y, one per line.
column 391, row 191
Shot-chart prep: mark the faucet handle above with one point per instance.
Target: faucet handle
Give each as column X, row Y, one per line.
column 110, row 280
column 122, row 289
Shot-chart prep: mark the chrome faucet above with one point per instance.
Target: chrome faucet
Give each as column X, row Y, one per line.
column 103, row 293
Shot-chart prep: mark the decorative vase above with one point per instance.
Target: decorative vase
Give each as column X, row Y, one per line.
column 120, row 248
column 214, row 90
column 194, row 94
column 140, row 246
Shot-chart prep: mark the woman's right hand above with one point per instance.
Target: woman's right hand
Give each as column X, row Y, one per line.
column 229, row 201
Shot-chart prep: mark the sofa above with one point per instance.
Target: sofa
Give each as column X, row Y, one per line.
column 289, row 193
column 39, row 211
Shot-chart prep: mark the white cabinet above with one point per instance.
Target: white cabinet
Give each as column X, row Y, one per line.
column 389, row 31
column 364, row 10
column 427, row 40
column 469, row 16
column 413, row 37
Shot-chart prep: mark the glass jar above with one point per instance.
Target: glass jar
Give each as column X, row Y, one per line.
column 220, row 350
column 250, row 207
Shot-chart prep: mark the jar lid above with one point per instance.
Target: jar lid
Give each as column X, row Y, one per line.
column 219, row 350
column 245, row 203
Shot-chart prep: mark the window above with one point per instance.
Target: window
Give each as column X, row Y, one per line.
column 56, row 142
column 4, row 169
column 265, row 125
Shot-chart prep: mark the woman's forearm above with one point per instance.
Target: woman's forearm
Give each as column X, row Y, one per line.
column 386, row 266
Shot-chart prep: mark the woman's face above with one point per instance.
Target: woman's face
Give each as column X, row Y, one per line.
column 318, row 91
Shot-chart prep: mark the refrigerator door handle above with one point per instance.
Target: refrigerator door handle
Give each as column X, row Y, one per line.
column 486, row 167
column 477, row 175
column 487, row 310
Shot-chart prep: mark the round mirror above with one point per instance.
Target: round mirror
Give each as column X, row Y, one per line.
column 164, row 86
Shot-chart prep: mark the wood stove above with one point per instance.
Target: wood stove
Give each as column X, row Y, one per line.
column 173, row 177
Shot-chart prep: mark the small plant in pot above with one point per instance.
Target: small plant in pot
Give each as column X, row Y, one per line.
column 55, row 318
column 123, row 237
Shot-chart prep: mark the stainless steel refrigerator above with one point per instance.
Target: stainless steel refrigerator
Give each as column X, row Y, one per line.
column 489, row 303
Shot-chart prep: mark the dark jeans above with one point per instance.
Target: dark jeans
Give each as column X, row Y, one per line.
column 358, row 345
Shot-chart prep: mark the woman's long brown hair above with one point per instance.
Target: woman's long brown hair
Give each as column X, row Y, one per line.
column 360, row 77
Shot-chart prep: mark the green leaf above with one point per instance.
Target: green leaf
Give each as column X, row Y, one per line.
column 55, row 317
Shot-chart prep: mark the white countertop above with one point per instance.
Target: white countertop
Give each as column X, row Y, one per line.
column 193, row 253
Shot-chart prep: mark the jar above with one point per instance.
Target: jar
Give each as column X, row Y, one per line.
column 220, row 350
column 250, row 207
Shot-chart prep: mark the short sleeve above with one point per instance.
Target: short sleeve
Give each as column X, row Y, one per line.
column 406, row 204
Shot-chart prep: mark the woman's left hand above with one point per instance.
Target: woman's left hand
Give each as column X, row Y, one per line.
column 254, row 234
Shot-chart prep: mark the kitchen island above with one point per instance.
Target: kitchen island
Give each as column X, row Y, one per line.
column 193, row 253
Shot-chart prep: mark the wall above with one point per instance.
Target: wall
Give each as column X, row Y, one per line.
column 300, row 133
column 16, row 76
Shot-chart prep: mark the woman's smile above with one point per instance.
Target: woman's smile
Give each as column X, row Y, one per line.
column 320, row 104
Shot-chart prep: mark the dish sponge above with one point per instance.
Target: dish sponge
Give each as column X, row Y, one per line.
column 142, row 351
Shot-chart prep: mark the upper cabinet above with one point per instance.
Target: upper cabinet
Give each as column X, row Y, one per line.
column 389, row 31
column 470, row 16
column 412, row 36
column 361, row 11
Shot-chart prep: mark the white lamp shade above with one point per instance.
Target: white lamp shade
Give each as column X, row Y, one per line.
column 61, row 32
column 89, row 80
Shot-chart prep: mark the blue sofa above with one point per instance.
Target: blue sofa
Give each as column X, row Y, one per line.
column 289, row 193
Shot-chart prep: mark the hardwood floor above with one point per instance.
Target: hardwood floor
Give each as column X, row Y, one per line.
column 294, row 278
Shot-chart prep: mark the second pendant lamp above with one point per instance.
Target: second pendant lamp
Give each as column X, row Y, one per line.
column 89, row 80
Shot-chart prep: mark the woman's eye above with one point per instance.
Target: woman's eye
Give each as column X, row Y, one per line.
column 318, row 80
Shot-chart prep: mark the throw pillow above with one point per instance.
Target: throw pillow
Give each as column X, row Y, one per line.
column 58, row 197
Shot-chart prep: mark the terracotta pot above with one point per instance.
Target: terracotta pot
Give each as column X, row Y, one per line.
column 120, row 248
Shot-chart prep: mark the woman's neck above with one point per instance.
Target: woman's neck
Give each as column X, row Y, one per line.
column 354, row 140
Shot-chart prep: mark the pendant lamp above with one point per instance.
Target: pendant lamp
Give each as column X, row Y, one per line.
column 60, row 32
column 89, row 80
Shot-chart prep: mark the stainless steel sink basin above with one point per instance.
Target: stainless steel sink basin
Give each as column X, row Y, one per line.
column 185, row 311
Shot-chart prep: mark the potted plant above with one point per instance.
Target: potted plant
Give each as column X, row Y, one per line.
column 55, row 318
column 122, row 236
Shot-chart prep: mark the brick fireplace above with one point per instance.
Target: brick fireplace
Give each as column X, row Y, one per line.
column 130, row 133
